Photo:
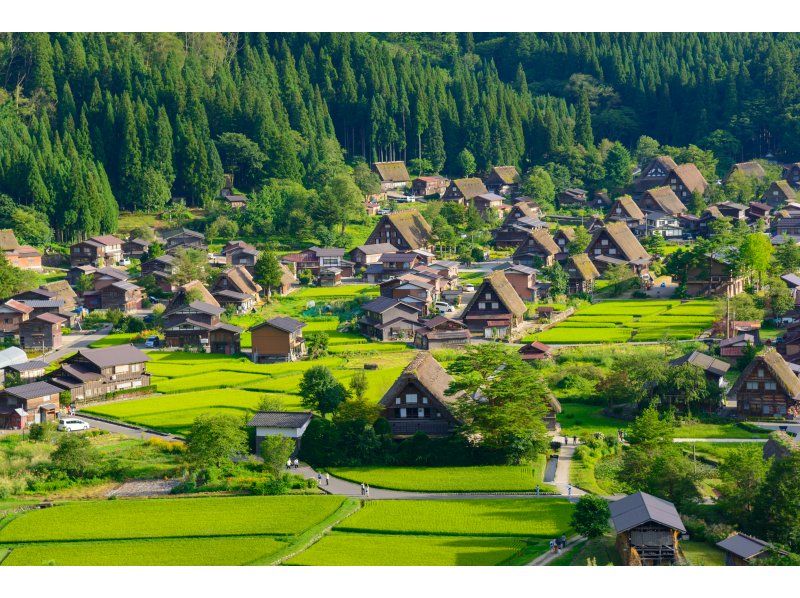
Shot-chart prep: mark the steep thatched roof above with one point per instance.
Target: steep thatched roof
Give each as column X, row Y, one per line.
column 507, row 174
column 784, row 189
column 691, row 177
column 8, row 240
column 774, row 363
column 627, row 207
column 583, row 266
column 666, row 200
column 428, row 373
column 752, row 168
column 242, row 280
column 470, row 187
column 543, row 239
column 392, row 172
column 412, row 226
column 499, row 283
column 625, row 240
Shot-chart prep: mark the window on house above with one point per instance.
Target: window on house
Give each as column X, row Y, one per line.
column 604, row 242
column 495, row 305
column 411, row 398
column 597, row 252
column 752, row 386
column 760, row 373
column 612, row 251
column 769, row 386
column 488, row 296
column 420, row 412
column 402, row 412
column 424, row 400
column 397, row 400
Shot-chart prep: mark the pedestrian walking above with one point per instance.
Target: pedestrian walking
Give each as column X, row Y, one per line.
column 367, row 490
column 563, row 541
column 566, row 439
column 363, row 489
column 569, row 490
column 327, row 479
column 537, row 489
column 296, row 462
column 552, row 545
column 288, row 464
column 574, row 440
column 319, row 479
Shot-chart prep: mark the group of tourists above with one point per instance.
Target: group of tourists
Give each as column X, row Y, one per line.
column 364, row 489
column 558, row 544
column 292, row 464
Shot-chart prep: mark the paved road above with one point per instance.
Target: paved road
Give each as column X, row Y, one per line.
column 561, row 481
column 73, row 342
column 547, row 557
column 722, row 440
column 131, row 431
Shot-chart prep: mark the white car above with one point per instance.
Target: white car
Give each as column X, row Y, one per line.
column 468, row 288
column 444, row 307
column 152, row 342
column 124, row 262
column 72, row 425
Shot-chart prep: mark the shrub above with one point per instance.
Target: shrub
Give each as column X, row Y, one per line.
column 716, row 532
column 41, row 432
column 695, row 526
column 273, row 486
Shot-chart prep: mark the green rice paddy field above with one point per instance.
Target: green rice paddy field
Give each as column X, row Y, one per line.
column 264, row 530
column 627, row 320
column 193, row 384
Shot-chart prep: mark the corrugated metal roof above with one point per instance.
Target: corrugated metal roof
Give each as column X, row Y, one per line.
column 279, row 419
column 636, row 509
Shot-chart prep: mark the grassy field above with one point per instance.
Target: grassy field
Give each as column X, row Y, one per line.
column 543, row 518
column 170, row 518
column 600, row 551
column 398, row 550
column 620, row 321
column 194, row 384
column 114, row 339
column 702, row 554
column 500, row 478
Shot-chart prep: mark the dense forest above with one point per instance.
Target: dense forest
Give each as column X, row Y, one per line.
column 94, row 123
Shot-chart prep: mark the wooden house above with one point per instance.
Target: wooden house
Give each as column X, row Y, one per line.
column 750, row 169
column 441, row 333
column 63, row 291
column 495, row 309
column 714, row 277
column 240, row 253
column 393, row 175
column 535, row 351
column 184, row 238
column 429, row 186
column 661, row 199
column 41, row 332
column 778, row 194
column 756, row 211
column 329, row 276
column 239, row 280
column 582, row 273
column 503, row 180
column 289, row 424
column 29, row 371
column 464, row 190
column 135, row 248
column 19, row 256
column 12, row 314
column 418, row 400
column 522, row 218
column 278, row 339
column 624, row 209
column 742, row 550
column 364, row 255
column 404, row 230
column 563, row 236
column 733, row 348
column 570, row 198
column 791, row 174
column 732, row 210
column 389, row 319
column 91, row 374
column 648, row 529
column 421, row 292
column 94, row 251
column 686, row 179
column 315, row 259
column 659, row 223
column 654, row 174
column 75, row 273
column 236, row 201
column 537, row 250
column 490, row 203
column 714, row 369
column 26, row 404
column 615, row 244
column 767, row 387
column 523, row 279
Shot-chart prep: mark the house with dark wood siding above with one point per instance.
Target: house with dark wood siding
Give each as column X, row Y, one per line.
column 495, row 309
column 767, row 387
column 406, row 230
column 464, row 190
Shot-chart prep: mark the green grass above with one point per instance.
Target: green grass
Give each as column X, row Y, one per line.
column 170, row 518
column 600, row 551
column 114, row 339
column 716, row 430
column 235, row 550
column 347, row 549
column 625, row 320
column 542, row 518
column 500, row 478
column 702, row 554
column 578, row 419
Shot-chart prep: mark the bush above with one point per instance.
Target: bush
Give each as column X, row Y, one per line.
column 716, row 532
column 273, row 486
column 41, row 432
column 639, row 295
column 695, row 526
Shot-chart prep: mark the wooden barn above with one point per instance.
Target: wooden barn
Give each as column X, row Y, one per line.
column 648, row 529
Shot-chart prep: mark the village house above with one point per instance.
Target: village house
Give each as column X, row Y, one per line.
column 537, row 250
column 791, row 174
column 329, row 277
column 135, row 248
column 582, row 273
column 615, row 244
column 29, row 371
column 685, row 180
column 625, row 210
column 464, row 190
column 184, row 238
column 239, row 253
column 415, row 290
column 690, row 225
column 535, row 351
column 372, row 206
column 749, row 169
column 441, row 333
column 648, row 529
column 778, row 194
column 659, row 223
column 192, row 322
column 742, row 550
column 12, row 314
column 714, row 369
column 236, row 201
column 661, row 199
column 102, row 250
column 238, row 280
column 278, row 339
column 447, row 270
column 654, row 174
column 406, row 230
column 571, row 198
column 523, row 279
column 162, row 269
column 758, row 211
column 563, row 236
column 393, row 175
column 364, row 255
column 522, row 218
column 732, row 210
column 786, row 223
column 428, row 186
column 388, row 319
column 397, row 264
column 91, row 374
column 26, row 404
column 316, row 258
column 600, row 201
column 44, row 306
column 19, row 256
column 75, row 273
column 490, row 203
column 503, row 180
column 495, row 309
column 11, row 356
column 119, row 294
column 733, row 348
column 418, row 400
column 767, row 387
column 289, row 424
column 62, row 290
column 715, row 277
column 41, row 332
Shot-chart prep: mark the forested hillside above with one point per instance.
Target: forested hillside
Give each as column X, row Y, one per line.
column 93, row 123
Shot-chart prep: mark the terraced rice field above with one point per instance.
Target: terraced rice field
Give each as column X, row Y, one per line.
column 631, row 321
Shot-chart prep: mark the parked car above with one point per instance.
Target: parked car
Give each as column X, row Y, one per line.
column 444, row 307
column 124, row 262
column 72, row 425
column 152, row 342
column 468, row 288
column 384, row 212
